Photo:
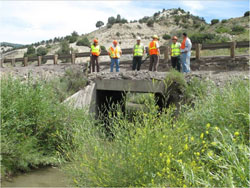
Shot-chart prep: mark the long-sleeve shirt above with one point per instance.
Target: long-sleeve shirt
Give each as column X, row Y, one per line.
column 188, row 46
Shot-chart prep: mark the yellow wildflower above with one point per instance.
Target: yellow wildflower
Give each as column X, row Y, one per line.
column 75, row 181
column 203, row 142
column 236, row 133
column 186, row 147
column 180, row 161
column 192, row 138
column 160, row 154
column 168, row 161
column 216, row 128
column 159, row 174
column 164, row 136
column 184, row 185
column 198, row 154
column 169, row 147
column 202, row 135
column 208, row 125
column 213, row 143
column 180, row 153
column 207, row 132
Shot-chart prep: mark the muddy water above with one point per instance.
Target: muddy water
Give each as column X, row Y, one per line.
column 45, row 177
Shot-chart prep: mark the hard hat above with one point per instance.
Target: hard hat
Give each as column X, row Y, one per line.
column 115, row 42
column 174, row 38
column 95, row 41
column 138, row 38
column 155, row 37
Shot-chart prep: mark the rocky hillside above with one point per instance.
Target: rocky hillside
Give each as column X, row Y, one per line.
column 165, row 24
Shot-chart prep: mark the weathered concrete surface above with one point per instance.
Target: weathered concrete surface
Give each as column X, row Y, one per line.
column 140, row 86
column 84, row 99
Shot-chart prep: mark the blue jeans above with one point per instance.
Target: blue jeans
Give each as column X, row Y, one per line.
column 185, row 61
column 115, row 61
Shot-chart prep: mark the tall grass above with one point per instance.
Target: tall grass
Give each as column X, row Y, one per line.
column 205, row 146
column 35, row 126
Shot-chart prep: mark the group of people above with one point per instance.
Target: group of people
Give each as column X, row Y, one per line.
column 180, row 54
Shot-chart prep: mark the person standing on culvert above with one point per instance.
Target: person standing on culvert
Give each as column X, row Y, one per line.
column 175, row 54
column 95, row 52
column 115, row 53
column 154, row 52
column 138, row 52
column 186, row 46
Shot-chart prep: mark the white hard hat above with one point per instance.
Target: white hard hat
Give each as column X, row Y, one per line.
column 138, row 38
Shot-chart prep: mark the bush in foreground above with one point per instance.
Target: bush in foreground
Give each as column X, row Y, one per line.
column 35, row 126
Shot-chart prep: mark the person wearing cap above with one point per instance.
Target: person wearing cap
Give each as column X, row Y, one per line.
column 154, row 52
column 186, row 46
column 115, row 53
column 95, row 51
column 138, row 52
column 175, row 54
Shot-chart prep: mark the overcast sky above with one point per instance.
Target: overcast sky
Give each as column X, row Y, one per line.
column 32, row 21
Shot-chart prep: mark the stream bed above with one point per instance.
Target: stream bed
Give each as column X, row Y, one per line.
column 44, row 177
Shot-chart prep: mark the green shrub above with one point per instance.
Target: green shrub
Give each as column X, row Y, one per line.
column 35, row 126
column 83, row 42
column 222, row 30
column 197, row 25
column 103, row 48
column 144, row 19
column 31, row 52
column 150, row 23
column 224, row 21
column 177, row 19
column 238, row 29
column 41, row 51
column 214, row 21
column 109, row 26
column 202, row 37
column 246, row 13
column 99, row 24
column 202, row 28
column 166, row 36
column 117, row 34
column 72, row 81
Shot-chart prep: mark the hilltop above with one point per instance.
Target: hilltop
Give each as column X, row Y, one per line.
column 165, row 24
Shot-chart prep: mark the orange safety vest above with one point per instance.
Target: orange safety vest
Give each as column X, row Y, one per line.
column 115, row 53
column 152, row 48
column 183, row 43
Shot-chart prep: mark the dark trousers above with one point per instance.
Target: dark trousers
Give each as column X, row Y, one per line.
column 176, row 63
column 137, row 60
column 93, row 62
column 154, row 61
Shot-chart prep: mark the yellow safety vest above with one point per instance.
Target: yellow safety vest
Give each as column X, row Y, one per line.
column 95, row 50
column 115, row 53
column 175, row 49
column 138, row 50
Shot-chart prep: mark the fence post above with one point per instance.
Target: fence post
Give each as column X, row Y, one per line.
column 198, row 51
column 233, row 45
column 13, row 62
column 25, row 61
column 55, row 59
column 2, row 62
column 39, row 60
column 73, row 58
column 166, row 54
